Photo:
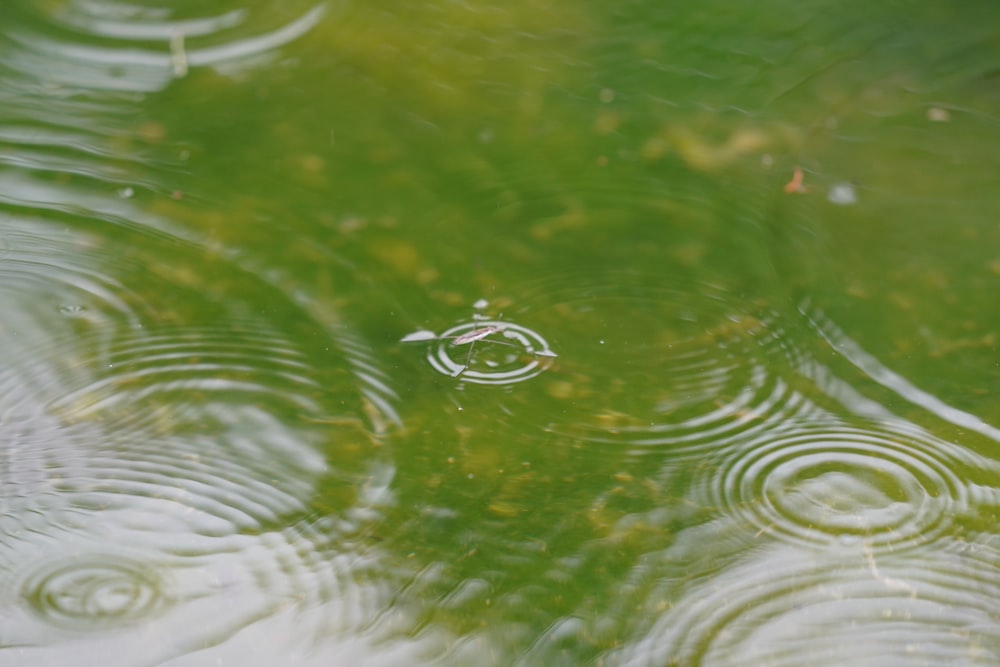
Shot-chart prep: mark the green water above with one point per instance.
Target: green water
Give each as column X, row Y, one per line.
column 741, row 261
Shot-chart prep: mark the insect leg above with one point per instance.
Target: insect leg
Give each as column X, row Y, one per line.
column 468, row 360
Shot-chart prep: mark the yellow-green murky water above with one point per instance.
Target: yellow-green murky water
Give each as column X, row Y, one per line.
column 638, row 333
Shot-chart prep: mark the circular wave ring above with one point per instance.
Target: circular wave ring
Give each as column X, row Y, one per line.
column 790, row 607
column 508, row 354
column 843, row 484
column 94, row 591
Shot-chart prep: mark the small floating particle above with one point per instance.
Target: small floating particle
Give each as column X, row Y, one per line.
column 842, row 194
column 938, row 115
column 795, row 185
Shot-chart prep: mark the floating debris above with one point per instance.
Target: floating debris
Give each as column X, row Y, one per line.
column 842, row 194
column 795, row 185
column 938, row 115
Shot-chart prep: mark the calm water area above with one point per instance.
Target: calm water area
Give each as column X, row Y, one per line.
column 466, row 332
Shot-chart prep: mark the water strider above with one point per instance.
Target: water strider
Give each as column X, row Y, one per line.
column 471, row 337
column 481, row 332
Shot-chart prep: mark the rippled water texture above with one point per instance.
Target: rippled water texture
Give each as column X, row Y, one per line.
column 638, row 333
column 179, row 463
column 862, row 609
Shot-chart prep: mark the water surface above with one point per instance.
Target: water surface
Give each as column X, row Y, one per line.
column 729, row 271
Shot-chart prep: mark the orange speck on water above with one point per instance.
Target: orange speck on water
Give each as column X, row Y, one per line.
column 795, row 185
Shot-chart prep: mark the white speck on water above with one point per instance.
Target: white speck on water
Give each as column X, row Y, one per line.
column 938, row 115
column 842, row 194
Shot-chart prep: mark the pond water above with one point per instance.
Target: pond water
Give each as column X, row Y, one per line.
column 562, row 333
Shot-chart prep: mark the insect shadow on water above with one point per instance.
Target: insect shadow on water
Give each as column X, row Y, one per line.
column 482, row 328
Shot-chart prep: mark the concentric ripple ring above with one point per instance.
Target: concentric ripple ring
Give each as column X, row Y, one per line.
column 514, row 354
column 94, row 592
column 790, row 608
column 839, row 484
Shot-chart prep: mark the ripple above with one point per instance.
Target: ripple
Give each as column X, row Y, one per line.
column 142, row 568
column 900, row 386
column 123, row 47
column 890, row 487
column 789, row 608
column 230, row 422
column 198, row 456
column 465, row 351
column 180, row 463
column 656, row 368
column 95, row 591
column 52, row 277
column 190, row 366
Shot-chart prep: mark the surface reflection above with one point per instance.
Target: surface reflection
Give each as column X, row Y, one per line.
column 124, row 47
column 104, row 591
column 827, row 609
column 659, row 444
column 833, row 483
column 180, row 464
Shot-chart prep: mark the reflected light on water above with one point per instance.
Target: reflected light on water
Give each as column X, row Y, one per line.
column 827, row 484
column 208, row 455
column 125, row 48
column 789, row 608
column 161, row 460
column 101, row 590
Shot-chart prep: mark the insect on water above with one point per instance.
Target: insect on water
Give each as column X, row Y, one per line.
column 524, row 341
column 470, row 337
column 476, row 334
